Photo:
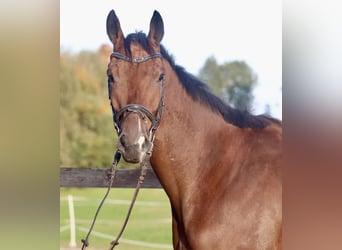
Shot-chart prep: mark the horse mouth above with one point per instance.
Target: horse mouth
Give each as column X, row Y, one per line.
column 131, row 159
column 134, row 154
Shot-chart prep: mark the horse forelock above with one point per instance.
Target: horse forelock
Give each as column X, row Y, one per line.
column 139, row 38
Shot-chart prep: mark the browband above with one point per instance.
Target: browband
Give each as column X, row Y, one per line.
column 135, row 60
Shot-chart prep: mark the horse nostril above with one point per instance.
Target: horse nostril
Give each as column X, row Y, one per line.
column 122, row 140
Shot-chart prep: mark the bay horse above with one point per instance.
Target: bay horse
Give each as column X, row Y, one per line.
column 220, row 167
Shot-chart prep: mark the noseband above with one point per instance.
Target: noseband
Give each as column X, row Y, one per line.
column 138, row 108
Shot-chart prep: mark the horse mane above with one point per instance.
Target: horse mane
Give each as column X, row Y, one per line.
column 200, row 92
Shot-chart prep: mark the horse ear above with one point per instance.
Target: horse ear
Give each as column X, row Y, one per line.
column 156, row 32
column 114, row 29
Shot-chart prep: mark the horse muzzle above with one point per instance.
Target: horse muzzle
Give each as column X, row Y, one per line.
column 135, row 125
column 134, row 152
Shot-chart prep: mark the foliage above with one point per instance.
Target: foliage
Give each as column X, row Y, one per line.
column 232, row 81
column 87, row 138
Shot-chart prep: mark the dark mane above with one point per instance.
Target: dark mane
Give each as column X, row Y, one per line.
column 200, row 92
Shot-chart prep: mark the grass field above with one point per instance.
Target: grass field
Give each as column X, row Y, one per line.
column 148, row 228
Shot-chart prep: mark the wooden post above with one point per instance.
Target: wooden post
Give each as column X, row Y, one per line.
column 72, row 222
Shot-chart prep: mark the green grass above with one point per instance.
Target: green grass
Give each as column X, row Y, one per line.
column 150, row 220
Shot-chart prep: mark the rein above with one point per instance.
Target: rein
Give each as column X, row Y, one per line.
column 117, row 117
column 112, row 173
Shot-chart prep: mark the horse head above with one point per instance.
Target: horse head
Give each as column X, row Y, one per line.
column 136, row 86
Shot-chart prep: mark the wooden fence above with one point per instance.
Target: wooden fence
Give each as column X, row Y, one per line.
column 97, row 177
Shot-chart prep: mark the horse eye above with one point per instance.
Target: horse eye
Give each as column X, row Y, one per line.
column 161, row 77
column 110, row 81
column 110, row 78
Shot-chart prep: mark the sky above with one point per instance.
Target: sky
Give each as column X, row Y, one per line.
column 245, row 30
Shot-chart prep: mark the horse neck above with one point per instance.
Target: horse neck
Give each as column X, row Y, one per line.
column 181, row 141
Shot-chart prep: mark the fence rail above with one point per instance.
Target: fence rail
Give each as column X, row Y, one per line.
column 97, row 177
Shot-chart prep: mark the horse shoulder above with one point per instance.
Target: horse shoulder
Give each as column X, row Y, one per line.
column 241, row 195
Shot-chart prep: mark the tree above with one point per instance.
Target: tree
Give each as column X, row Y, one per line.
column 87, row 137
column 232, row 81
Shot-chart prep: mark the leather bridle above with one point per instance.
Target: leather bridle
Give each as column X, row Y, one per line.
column 119, row 116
